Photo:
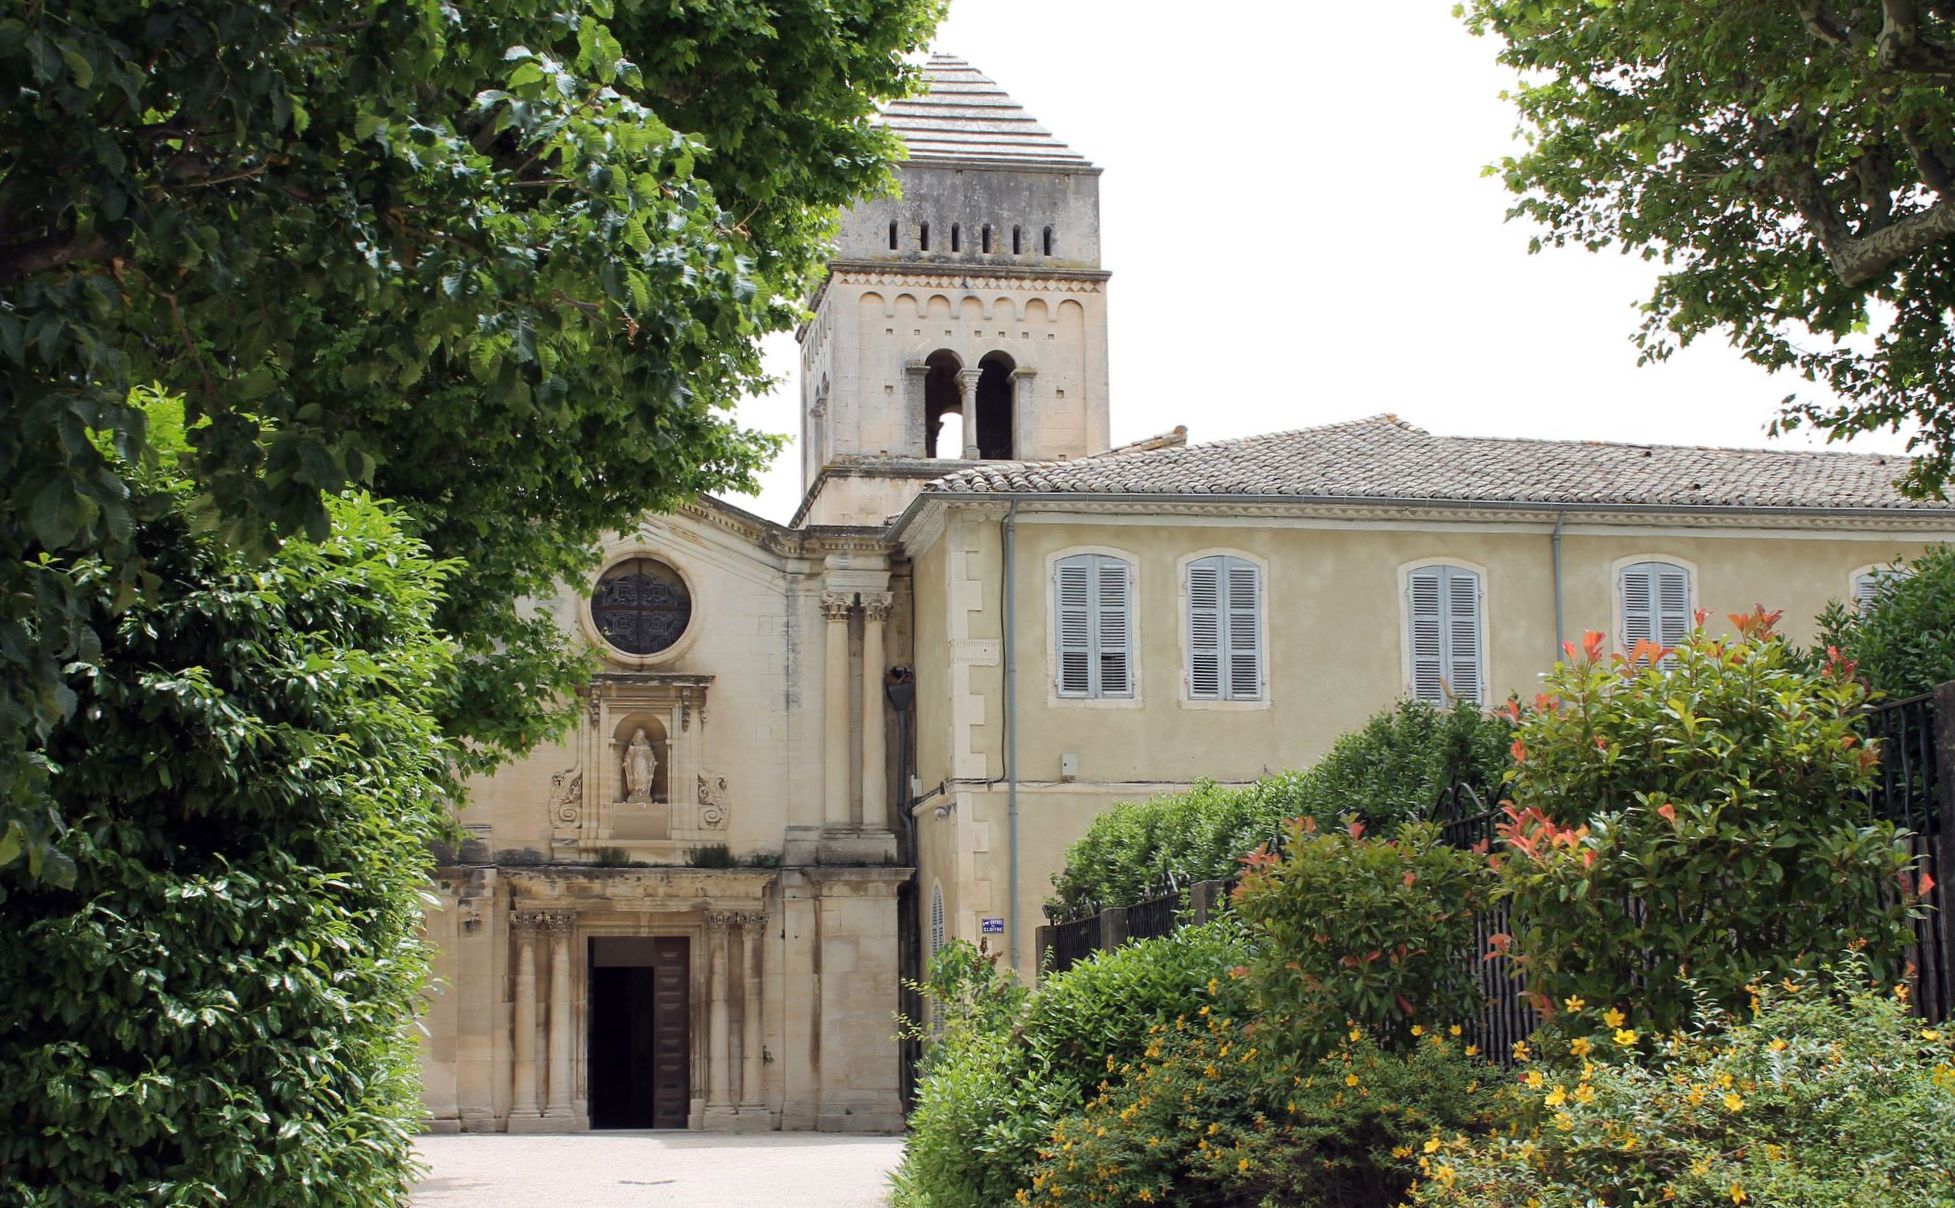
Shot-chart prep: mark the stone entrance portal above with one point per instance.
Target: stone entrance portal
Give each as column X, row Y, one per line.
column 640, row 1032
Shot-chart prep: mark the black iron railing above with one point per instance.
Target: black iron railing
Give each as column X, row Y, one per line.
column 1910, row 796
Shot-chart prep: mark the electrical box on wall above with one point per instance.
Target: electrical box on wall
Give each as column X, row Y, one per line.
column 1069, row 766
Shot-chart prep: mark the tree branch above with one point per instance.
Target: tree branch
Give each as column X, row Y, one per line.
column 39, row 255
column 1928, row 163
column 1901, row 47
column 1819, row 21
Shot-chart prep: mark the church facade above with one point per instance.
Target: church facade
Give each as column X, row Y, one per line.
column 817, row 751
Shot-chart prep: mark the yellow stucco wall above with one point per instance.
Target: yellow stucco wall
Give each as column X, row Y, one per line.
column 1335, row 652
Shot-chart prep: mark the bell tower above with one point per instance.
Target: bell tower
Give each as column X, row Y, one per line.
column 962, row 321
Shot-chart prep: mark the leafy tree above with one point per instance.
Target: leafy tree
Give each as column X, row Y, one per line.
column 1790, row 162
column 1904, row 639
column 216, row 1007
column 505, row 263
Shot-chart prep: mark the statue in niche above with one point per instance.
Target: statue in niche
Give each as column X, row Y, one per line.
column 641, row 767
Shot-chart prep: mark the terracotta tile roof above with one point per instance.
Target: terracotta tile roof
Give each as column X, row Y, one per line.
column 1383, row 457
column 965, row 116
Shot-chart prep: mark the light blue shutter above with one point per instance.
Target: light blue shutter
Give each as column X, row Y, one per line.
column 1655, row 604
column 1245, row 630
column 1463, row 634
column 1428, row 620
column 1111, row 635
column 1866, row 587
column 1205, row 629
column 1444, row 615
column 1073, row 600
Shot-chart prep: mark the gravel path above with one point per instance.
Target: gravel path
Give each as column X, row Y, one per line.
column 656, row 1170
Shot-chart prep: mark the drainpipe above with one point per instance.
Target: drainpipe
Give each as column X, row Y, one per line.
column 1560, row 519
column 1011, row 729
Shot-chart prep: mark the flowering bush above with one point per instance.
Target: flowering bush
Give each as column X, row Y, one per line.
column 1217, row 1112
column 1815, row 1100
column 1904, row 640
column 1355, row 928
column 1682, row 819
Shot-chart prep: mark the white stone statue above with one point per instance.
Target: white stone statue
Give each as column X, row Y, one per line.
column 641, row 767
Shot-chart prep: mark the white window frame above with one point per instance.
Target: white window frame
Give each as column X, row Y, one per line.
column 1406, row 659
column 1620, row 614
column 1132, row 698
column 1266, row 692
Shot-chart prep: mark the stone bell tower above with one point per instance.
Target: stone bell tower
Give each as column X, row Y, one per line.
column 964, row 320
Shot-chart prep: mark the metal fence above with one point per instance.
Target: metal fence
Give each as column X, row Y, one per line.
column 1913, row 794
column 1915, row 791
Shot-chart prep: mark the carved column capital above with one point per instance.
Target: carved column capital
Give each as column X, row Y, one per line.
column 526, row 920
column 876, row 607
column 1024, row 373
column 720, row 920
column 753, row 920
column 967, row 380
column 557, row 922
column 835, row 605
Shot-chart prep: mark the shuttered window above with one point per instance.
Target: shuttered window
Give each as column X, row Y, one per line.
column 1093, row 607
column 1655, row 604
column 1448, row 662
column 1867, row 584
column 1225, row 656
column 936, row 917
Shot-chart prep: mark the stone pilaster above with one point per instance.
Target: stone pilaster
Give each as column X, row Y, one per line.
column 720, row 1091
column 753, row 1093
column 835, row 710
column 523, row 1107
column 559, row 925
column 875, row 755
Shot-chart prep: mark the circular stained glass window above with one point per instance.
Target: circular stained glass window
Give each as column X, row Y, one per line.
column 641, row 606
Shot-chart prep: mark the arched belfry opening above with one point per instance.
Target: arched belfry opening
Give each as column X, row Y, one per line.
column 941, row 398
column 994, row 406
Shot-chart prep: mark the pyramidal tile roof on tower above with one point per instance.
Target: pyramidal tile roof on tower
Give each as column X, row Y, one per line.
column 965, row 116
column 1384, row 457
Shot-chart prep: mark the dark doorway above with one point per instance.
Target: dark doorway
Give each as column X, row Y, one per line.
column 640, row 1050
column 994, row 407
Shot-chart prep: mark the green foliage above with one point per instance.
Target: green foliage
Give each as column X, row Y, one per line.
column 1680, row 824
column 1363, row 931
column 1391, row 769
column 710, row 855
column 1790, row 166
column 505, row 263
column 1816, row 1101
column 1904, row 642
column 1003, row 1063
column 217, row 1004
column 1218, row 1113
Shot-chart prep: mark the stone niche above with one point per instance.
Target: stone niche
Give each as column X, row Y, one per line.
column 640, row 784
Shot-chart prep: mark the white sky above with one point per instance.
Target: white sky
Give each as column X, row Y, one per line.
column 1299, row 233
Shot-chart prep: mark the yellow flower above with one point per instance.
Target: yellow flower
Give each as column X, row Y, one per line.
column 1777, row 1045
column 1214, row 985
column 1625, row 1037
column 1212, row 1129
column 1242, row 1167
column 1521, row 1051
column 1930, row 1034
column 1614, row 1018
column 1557, row 1096
column 1455, row 1030
column 1534, row 1079
column 1580, row 1046
column 1350, row 1080
column 1472, row 1050
column 1357, row 1034
column 1584, row 1093
column 1022, row 1196
column 1574, row 1002
column 1401, row 1151
column 1734, row 1102
column 1564, row 1122
column 1417, row 1030
column 1738, row 1195
column 1433, row 1144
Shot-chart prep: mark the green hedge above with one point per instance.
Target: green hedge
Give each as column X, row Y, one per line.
column 1904, row 641
column 1392, row 769
column 218, row 1009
